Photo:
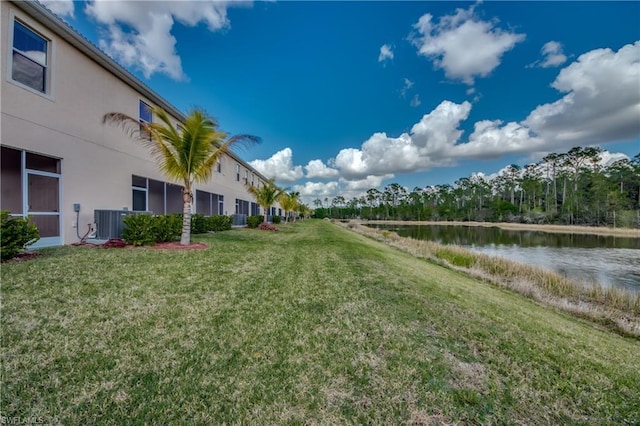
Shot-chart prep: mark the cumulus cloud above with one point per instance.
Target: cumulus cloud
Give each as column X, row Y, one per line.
column 608, row 158
column 312, row 190
column 357, row 186
column 386, row 53
column 462, row 44
column 601, row 104
column 491, row 139
column 428, row 141
column 279, row 167
column 60, row 7
column 138, row 33
column 317, row 169
column 602, row 101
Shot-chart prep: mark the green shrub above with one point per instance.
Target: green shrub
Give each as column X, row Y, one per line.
column 167, row 227
column 17, row 234
column 276, row 219
column 198, row 224
column 139, row 229
column 254, row 221
column 219, row 223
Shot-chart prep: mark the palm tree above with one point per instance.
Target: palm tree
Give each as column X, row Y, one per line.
column 304, row 211
column 289, row 203
column 186, row 152
column 266, row 195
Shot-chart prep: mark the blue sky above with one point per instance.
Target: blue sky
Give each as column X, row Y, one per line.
column 353, row 95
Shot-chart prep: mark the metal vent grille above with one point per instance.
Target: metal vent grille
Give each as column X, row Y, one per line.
column 110, row 223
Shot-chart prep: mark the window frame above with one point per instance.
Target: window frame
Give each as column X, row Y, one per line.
column 38, row 30
column 220, row 204
column 137, row 188
column 142, row 120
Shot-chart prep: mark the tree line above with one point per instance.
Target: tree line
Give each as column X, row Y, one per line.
column 571, row 188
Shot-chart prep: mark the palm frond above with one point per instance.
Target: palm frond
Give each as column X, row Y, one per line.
column 185, row 151
column 130, row 125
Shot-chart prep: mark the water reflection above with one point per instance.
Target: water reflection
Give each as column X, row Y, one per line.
column 610, row 261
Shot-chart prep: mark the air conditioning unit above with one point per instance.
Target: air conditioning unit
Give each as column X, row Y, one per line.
column 110, row 223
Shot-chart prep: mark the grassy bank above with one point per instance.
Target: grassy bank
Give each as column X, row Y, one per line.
column 313, row 324
column 617, row 308
column 559, row 229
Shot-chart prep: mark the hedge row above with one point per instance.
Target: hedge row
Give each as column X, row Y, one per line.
column 146, row 229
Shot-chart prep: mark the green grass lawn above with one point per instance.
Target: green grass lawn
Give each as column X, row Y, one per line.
column 310, row 325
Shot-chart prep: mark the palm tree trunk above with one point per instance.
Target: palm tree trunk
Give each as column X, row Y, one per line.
column 187, row 199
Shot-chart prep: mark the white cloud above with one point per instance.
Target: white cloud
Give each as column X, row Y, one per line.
column 464, row 46
column 370, row 181
column 317, row 169
column 60, row 7
column 147, row 43
column 386, row 53
column 601, row 104
column 553, row 55
column 608, row 158
column 279, row 167
column 602, row 101
column 429, row 141
column 312, row 190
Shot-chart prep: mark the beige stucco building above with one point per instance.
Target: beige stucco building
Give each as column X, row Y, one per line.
column 56, row 151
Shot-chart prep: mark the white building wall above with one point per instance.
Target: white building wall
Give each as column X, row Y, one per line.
column 97, row 160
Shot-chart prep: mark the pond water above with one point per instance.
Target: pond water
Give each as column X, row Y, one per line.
column 609, row 261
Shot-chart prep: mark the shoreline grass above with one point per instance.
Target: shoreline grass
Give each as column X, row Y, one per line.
column 617, row 308
column 313, row 324
column 560, row 229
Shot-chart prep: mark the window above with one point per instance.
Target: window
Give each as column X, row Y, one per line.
column 209, row 204
column 30, row 52
column 238, row 172
column 30, row 185
column 139, row 189
column 146, row 117
column 218, row 166
column 221, row 204
column 242, row 207
column 154, row 196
